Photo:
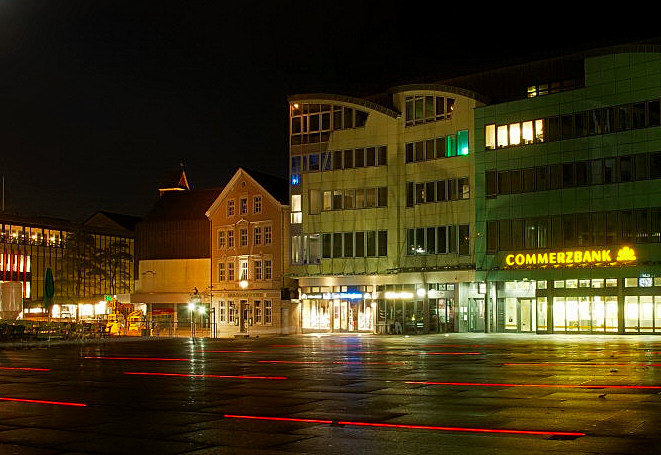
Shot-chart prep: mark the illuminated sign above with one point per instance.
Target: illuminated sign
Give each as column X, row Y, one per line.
column 569, row 258
column 337, row 295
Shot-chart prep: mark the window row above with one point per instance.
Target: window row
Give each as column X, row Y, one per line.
column 575, row 229
column 438, row 191
column 354, row 244
column 313, row 123
column 245, row 269
column 340, row 159
column 256, row 312
column 243, row 206
column 261, row 235
column 438, row 240
column 552, row 87
column 441, row 147
column 32, row 235
column 642, row 166
column 361, row 198
column 643, row 114
column 428, row 108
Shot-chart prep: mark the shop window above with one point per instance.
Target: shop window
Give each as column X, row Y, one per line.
column 597, row 283
column 631, row 282
column 611, row 282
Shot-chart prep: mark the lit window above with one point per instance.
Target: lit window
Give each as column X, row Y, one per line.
column 268, row 238
column 515, row 134
column 243, row 271
column 502, row 136
column 243, row 206
column 257, row 204
column 527, row 133
column 230, row 208
column 268, row 312
column 539, row 130
column 490, row 137
column 243, row 237
column 221, row 239
column 268, row 270
column 221, row 271
column 257, row 235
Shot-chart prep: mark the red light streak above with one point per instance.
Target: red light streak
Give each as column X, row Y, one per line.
column 572, row 364
column 226, row 351
column 564, row 386
column 222, row 376
column 138, row 358
column 410, row 427
column 60, row 403
column 336, row 362
column 24, row 369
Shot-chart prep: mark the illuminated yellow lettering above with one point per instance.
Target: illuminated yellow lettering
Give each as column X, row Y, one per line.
column 509, row 259
column 606, row 255
column 542, row 258
column 561, row 258
column 596, row 256
column 578, row 256
column 519, row 259
column 552, row 258
column 531, row 259
column 569, row 257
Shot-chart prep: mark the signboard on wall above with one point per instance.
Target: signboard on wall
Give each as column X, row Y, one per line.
column 571, row 258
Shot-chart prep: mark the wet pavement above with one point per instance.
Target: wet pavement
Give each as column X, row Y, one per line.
column 335, row 394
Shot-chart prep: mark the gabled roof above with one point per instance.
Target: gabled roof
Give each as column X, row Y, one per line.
column 276, row 188
column 174, row 181
column 183, row 205
column 112, row 220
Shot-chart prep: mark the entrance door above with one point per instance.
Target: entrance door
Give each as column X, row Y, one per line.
column 527, row 309
column 476, row 315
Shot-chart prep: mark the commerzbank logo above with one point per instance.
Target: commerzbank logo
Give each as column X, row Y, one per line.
column 571, row 258
column 626, row 254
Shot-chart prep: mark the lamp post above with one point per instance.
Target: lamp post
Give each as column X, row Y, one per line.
column 191, row 310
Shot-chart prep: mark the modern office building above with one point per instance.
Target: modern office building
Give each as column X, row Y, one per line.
column 568, row 199
column 249, row 257
column 382, row 210
column 88, row 260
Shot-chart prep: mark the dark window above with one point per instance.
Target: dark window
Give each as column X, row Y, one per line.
column 371, row 243
column 642, row 225
column 583, row 231
column 582, row 176
column 359, row 158
column 596, row 172
column 580, row 124
column 626, row 173
column 491, row 183
column 441, row 193
column 430, row 193
column 515, row 181
column 464, row 240
column 569, row 230
column 568, row 178
column 623, row 119
column 337, row 159
column 337, row 245
column 598, row 228
column 382, row 197
column 517, row 234
column 431, row 240
column 530, row 233
column 638, row 115
column 655, row 225
column 504, row 236
column 409, row 152
column 382, row 153
column 492, row 236
column 383, row 243
column 542, row 178
column 429, row 149
column 348, row 159
column 552, row 129
column 642, row 166
column 371, row 156
column 452, row 189
column 611, row 228
column 555, row 180
column 440, row 147
column 419, row 151
column 360, row 244
column 348, row 117
column 556, row 232
column 567, row 126
column 326, row 241
column 626, row 225
column 529, row 180
column 441, row 240
column 655, row 165
column 419, row 193
column 609, row 170
column 504, row 186
column 654, row 113
column 409, row 194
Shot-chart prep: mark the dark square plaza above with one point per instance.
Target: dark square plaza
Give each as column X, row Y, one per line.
column 311, row 394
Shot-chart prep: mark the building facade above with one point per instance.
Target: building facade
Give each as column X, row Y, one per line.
column 249, row 257
column 569, row 199
column 88, row 261
column 382, row 210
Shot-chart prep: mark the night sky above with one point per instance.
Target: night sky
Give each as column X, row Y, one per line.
column 98, row 99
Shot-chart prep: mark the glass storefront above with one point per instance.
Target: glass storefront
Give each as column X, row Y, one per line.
column 586, row 314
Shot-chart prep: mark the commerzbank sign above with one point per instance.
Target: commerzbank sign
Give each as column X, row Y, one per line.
column 569, row 258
